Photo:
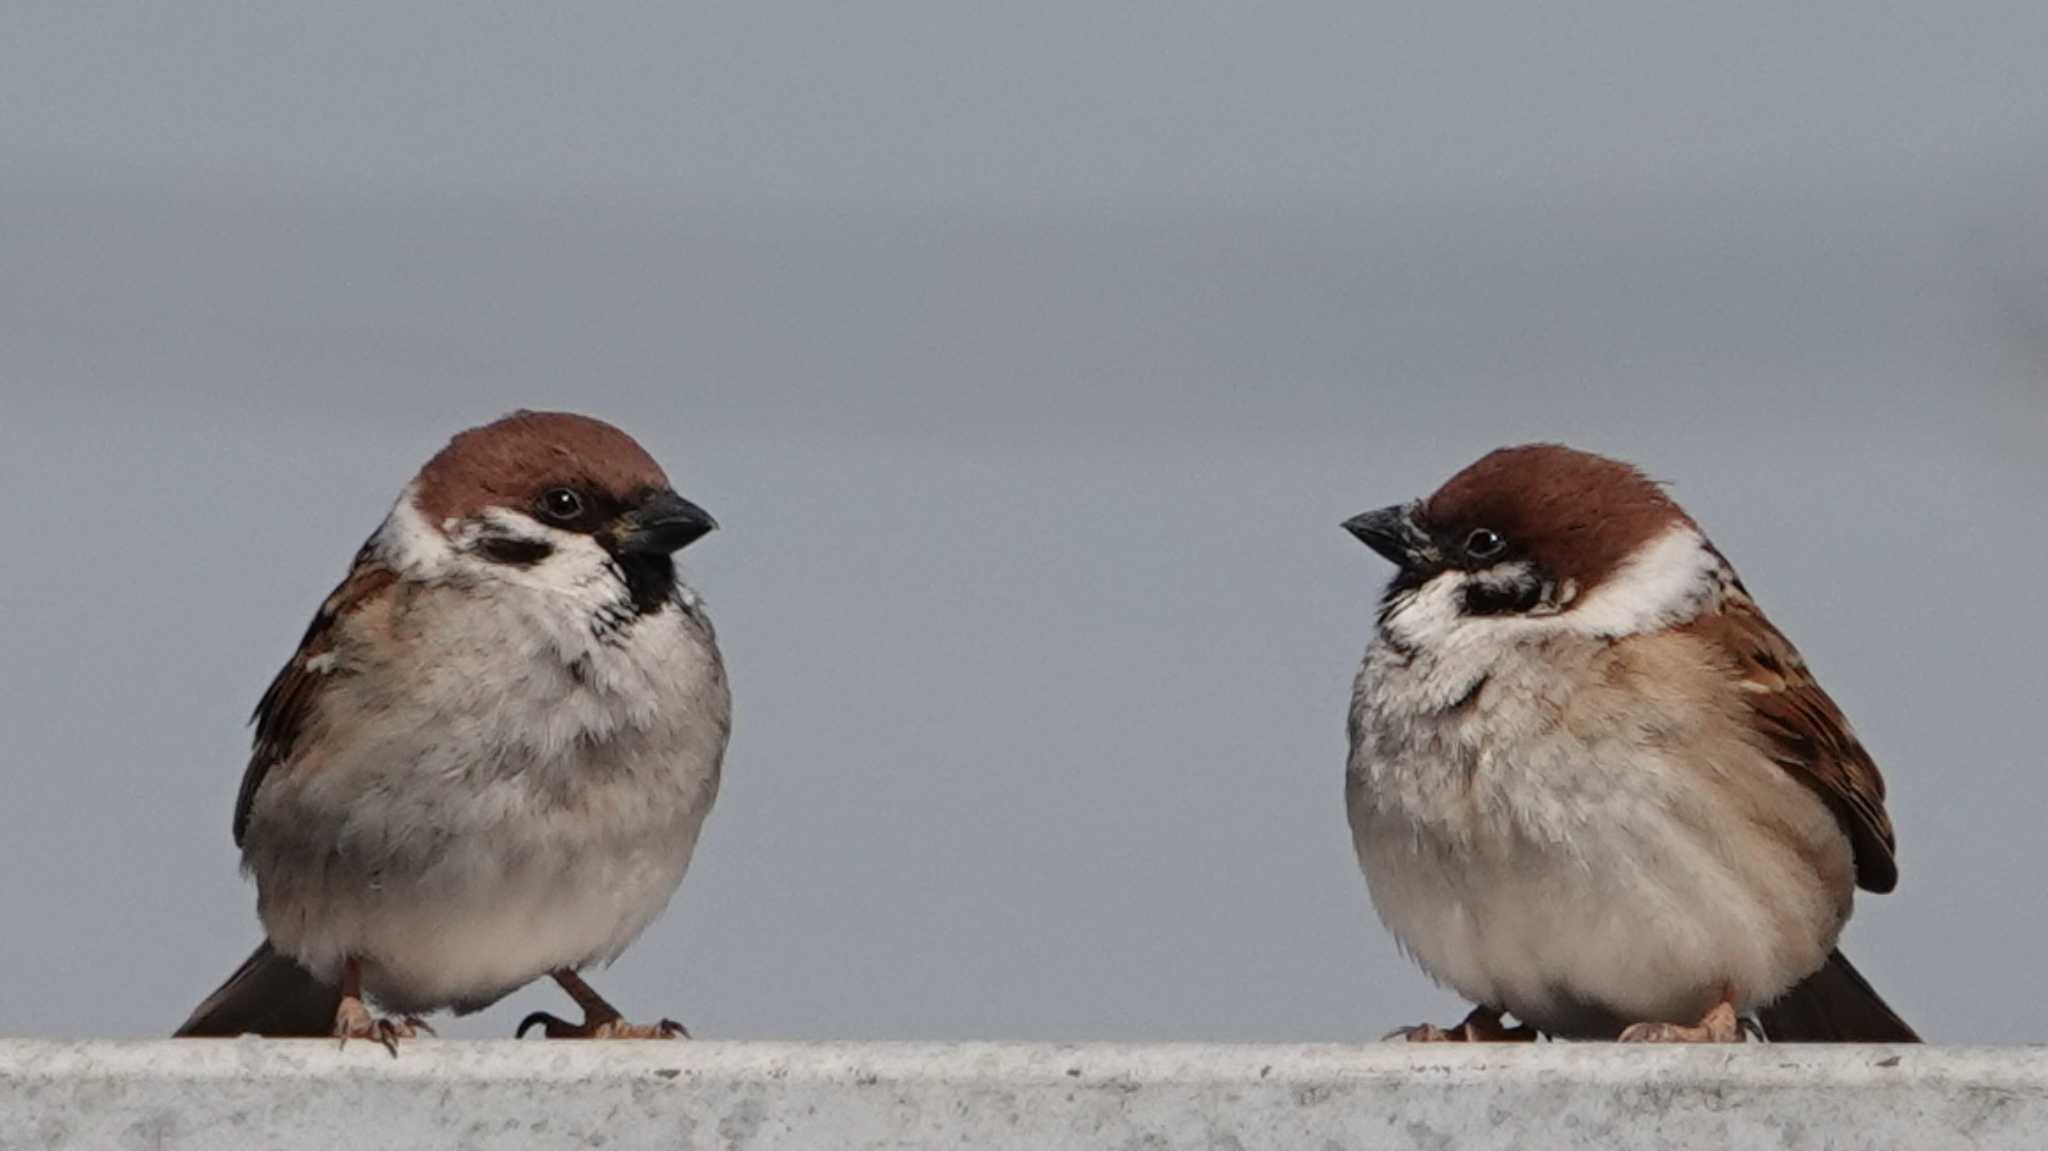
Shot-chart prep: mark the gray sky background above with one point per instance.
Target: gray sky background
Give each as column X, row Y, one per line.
column 1030, row 359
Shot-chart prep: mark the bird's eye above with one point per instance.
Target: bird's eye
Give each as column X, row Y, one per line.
column 561, row 504
column 1484, row 545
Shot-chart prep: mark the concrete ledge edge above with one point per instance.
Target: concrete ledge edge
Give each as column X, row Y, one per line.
column 224, row 1095
column 1016, row 1062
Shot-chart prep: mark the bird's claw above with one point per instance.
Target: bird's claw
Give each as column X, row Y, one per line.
column 352, row 1020
column 555, row 1027
column 552, row 1026
column 1720, row 1025
column 1483, row 1025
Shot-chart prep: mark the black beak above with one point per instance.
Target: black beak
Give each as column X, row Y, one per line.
column 663, row 523
column 1393, row 532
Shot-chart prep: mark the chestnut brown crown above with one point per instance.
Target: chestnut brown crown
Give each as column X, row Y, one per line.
column 1579, row 516
column 514, row 461
column 1561, row 516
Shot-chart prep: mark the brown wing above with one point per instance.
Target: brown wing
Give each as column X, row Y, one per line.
column 282, row 712
column 1806, row 732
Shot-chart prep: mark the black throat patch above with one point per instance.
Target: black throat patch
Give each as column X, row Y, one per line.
column 650, row 581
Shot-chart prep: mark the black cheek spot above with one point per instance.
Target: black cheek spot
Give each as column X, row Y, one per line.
column 1512, row 600
column 514, row 552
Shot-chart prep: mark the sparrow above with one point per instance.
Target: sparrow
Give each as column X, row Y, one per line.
column 1591, row 785
column 491, row 755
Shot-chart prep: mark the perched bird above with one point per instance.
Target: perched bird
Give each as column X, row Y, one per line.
column 1590, row 784
column 490, row 758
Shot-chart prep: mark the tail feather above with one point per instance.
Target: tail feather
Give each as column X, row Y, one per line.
column 1834, row 1005
column 269, row 995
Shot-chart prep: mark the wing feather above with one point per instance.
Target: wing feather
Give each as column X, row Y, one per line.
column 1806, row 732
column 293, row 696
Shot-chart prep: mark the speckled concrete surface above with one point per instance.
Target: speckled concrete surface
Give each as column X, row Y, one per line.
column 226, row 1095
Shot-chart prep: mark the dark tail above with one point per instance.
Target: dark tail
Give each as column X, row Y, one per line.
column 1834, row 1005
column 268, row 995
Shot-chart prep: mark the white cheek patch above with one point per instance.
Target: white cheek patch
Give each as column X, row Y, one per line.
column 1669, row 582
column 1429, row 616
column 576, row 565
column 412, row 546
column 1434, row 655
column 520, row 526
column 1557, row 597
column 500, row 525
column 559, row 595
column 1666, row 583
column 423, row 551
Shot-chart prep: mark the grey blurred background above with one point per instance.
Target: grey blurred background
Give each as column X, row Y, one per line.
column 1030, row 358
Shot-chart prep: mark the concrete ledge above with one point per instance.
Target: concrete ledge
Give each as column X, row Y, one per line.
column 221, row 1095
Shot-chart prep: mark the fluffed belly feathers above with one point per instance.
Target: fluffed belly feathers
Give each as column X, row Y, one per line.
column 447, row 905
column 460, row 847
column 1586, row 858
